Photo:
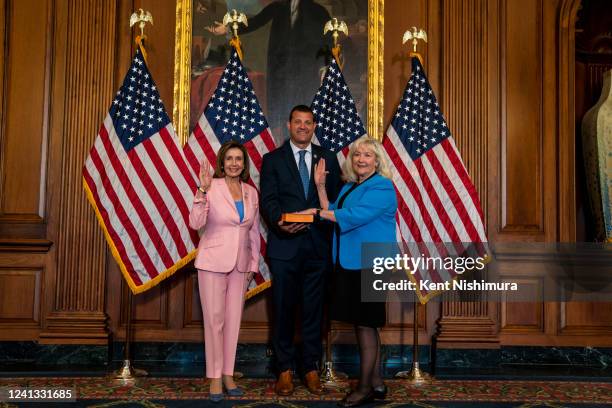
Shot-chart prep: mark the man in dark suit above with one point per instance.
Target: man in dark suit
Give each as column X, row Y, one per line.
column 299, row 254
column 295, row 54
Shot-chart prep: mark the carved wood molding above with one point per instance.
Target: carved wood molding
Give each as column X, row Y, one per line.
column 75, row 328
column 84, row 55
column 472, row 332
column 464, row 85
column 472, row 324
column 464, row 73
column 566, row 142
column 24, row 245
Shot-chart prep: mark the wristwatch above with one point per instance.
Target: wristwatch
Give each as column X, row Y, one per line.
column 318, row 214
column 202, row 190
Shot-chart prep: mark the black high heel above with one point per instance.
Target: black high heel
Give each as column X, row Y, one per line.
column 380, row 392
column 367, row 398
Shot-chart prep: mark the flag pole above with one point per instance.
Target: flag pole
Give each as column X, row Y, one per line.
column 232, row 19
column 415, row 376
column 330, row 377
column 127, row 374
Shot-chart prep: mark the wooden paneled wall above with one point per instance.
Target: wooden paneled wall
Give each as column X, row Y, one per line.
column 502, row 71
column 25, row 266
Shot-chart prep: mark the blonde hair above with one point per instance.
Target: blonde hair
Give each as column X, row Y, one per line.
column 382, row 164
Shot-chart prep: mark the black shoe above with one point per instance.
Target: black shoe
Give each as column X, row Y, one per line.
column 369, row 397
column 380, row 392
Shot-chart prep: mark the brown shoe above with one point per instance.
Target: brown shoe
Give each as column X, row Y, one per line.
column 284, row 384
column 312, row 382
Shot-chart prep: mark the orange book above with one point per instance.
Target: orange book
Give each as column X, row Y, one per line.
column 291, row 217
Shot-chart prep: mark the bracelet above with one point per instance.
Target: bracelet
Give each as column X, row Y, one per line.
column 202, row 190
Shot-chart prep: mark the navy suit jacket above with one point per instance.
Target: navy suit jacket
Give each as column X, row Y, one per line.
column 281, row 192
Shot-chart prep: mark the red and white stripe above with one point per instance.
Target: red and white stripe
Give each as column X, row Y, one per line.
column 437, row 203
column 142, row 198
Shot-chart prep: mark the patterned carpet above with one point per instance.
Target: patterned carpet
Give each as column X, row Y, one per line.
column 188, row 392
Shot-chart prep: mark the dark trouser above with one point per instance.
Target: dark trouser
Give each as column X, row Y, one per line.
column 300, row 280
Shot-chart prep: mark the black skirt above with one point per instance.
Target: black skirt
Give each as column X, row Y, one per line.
column 345, row 300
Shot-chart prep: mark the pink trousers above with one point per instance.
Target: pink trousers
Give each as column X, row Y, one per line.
column 222, row 297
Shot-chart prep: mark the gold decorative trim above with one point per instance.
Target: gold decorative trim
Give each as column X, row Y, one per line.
column 182, row 68
column 376, row 19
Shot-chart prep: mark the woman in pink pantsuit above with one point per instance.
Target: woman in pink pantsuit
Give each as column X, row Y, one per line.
column 226, row 211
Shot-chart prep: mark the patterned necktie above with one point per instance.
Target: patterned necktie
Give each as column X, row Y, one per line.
column 303, row 169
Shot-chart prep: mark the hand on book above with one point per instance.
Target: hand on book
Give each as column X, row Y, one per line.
column 297, row 221
column 309, row 211
column 292, row 227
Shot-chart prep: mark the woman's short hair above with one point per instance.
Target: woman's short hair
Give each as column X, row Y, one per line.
column 382, row 163
column 220, row 172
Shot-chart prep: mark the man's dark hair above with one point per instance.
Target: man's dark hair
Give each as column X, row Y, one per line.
column 301, row 108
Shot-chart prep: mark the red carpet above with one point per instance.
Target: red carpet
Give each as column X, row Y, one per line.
column 99, row 388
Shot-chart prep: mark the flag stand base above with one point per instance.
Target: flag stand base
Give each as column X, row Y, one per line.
column 127, row 375
column 415, row 376
column 332, row 378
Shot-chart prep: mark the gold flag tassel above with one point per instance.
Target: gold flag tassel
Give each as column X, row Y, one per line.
column 140, row 42
column 336, row 53
column 235, row 42
column 416, row 54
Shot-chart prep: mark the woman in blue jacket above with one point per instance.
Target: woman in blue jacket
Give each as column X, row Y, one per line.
column 364, row 212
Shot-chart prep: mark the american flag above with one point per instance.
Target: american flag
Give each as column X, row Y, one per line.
column 137, row 180
column 437, row 202
column 233, row 113
column 338, row 123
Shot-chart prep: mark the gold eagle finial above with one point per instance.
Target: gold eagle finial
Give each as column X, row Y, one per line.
column 142, row 17
column 234, row 18
column 415, row 35
column 335, row 27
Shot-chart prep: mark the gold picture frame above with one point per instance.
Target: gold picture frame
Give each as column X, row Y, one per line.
column 182, row 68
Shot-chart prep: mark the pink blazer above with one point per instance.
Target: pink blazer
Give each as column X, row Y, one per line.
column 226, row 242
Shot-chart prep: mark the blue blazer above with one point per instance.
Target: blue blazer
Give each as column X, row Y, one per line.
column 367, row 215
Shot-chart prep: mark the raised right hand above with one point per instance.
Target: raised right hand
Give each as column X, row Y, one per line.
column 320, row 173
column 205, row 176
